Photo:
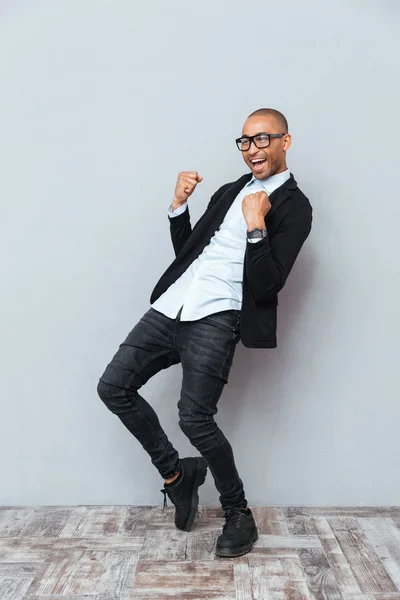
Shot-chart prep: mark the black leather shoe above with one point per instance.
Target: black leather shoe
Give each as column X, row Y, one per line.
column 183, row 494
column 238, row 534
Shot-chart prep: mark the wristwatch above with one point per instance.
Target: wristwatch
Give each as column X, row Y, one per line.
column 257, row 233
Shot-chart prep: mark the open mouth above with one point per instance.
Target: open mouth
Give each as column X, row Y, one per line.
column 258, row 164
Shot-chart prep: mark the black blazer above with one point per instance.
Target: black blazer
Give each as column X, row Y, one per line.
column 267, row 263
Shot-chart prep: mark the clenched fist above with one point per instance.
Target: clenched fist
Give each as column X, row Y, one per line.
column 185, row 186
column 255, row 207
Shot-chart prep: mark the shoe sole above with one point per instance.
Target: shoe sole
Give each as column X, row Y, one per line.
column 201, row 473
column 239, row 550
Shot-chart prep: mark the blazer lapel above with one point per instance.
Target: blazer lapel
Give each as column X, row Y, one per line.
column 282, row 193
column 217, row 213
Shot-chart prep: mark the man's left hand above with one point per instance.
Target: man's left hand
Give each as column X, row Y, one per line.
column 255, row 207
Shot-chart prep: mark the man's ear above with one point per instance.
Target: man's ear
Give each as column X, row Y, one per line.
column 287, row 141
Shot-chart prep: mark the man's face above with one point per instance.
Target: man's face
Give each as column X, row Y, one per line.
column 274, row 156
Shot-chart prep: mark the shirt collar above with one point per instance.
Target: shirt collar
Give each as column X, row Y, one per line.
column 272, row 182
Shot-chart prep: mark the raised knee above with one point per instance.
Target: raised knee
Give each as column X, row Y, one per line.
column 194, row 427
column 104, row 391
column 114, row 397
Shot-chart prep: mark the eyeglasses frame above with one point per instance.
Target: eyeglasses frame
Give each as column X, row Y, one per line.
column 251, row 138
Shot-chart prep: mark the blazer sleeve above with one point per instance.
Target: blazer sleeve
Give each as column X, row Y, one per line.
column 269, row 262
column 180, row 226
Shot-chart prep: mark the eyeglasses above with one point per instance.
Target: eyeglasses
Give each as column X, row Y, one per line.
column 261, row 140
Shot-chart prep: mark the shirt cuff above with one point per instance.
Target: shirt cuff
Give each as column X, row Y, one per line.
column 255, row 240
column 178, row 211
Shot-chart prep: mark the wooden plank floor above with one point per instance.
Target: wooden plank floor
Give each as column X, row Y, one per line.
column 136, row 553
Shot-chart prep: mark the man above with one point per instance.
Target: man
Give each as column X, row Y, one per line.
column 222, row 286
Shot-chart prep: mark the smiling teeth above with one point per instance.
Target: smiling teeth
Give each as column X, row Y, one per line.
column 258, row 160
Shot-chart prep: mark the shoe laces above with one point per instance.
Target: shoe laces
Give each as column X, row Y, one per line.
column 171, row 495
column 164, row 491
column 232, row 517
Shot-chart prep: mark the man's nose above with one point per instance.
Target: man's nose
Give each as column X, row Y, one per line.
column 253, row 150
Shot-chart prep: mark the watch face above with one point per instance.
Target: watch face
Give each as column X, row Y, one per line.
column 256, row 233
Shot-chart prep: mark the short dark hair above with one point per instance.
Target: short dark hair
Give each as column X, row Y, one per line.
column 271, row 112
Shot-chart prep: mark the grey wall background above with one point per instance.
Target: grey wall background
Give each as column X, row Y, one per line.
column 102, row 103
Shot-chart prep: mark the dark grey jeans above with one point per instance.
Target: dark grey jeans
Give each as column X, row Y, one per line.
column 205, row 348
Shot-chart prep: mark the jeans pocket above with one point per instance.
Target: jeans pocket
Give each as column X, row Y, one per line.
column 228, row 320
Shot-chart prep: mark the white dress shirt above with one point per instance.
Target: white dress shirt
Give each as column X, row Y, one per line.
column 213, row 281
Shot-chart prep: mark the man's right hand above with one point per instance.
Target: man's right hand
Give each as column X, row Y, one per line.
column 185, row 186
